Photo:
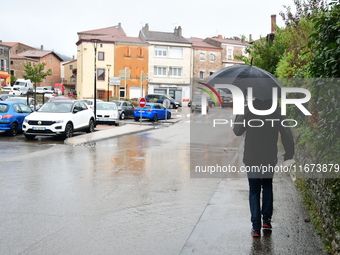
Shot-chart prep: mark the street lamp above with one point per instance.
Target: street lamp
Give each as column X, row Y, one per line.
column 108, row 81
column 95, row 44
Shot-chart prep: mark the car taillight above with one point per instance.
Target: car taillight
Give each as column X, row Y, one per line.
column 149, row 110
column 7, row 116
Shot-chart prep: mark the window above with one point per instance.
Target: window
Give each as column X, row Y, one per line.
column 176, row 52
column 122, row 92
column 175, row 71
column 1, row 51
column 100, row 74
column 212, row 57
column 127, row 51
column 160, row 71
column 140, row 53
column 71, row 67
column 230, row 53
column 51, row 60
column 100, row 55
column 202, row 56
column 160, row 51
column 202, row 75
column 3, row 65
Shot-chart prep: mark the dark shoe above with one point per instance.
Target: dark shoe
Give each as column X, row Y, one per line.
column 267, row 225
column 255, row 233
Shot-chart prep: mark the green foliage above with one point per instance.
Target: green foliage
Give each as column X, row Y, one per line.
column 325, row 44
column 35, row 72
column 13, row 79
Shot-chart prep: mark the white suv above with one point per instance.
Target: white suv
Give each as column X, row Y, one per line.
column 59, row 118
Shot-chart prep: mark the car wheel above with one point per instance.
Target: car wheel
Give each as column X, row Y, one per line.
column 168, row 115
column 136, row 119
column 68, row 130
column 122, row 116
column 14, row 129
column 91, row 126
column 30, row 137
column 155, row 118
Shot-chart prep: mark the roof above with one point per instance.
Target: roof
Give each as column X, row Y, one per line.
column 174, row 37
column 16, row 56
column 113, row 31
column 200, row 43
column 229, row 41
column 11, row 44
column 38, row 54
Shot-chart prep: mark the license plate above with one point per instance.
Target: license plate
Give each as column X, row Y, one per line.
column 38, row 128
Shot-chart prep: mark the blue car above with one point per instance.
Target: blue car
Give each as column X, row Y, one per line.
column 152, row 111
column 12, row 115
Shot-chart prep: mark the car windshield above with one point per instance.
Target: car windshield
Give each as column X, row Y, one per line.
column 197, row 98
column 117, row 103
column 20, row 83
column 56, row 107
column 3, row 108
column 106, row 107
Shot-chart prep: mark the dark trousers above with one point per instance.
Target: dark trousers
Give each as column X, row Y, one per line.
column 255, row 186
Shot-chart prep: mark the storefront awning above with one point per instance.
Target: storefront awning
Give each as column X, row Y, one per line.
column 3, row 76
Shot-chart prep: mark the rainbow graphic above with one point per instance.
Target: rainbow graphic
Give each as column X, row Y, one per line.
column 211, row 93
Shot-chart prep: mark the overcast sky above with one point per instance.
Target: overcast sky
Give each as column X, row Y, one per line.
column 55, row 23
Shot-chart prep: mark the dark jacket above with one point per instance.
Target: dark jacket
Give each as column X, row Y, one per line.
column 261, row 142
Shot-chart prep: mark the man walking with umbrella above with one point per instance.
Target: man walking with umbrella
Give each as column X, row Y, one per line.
column 260, row 153
column 260, row 147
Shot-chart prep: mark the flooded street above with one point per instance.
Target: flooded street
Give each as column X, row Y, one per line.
column 134, row 195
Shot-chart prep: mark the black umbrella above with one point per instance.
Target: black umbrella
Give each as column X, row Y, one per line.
column 244, row 76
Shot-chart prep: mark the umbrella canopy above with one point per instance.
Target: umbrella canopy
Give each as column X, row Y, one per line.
column 245, row 76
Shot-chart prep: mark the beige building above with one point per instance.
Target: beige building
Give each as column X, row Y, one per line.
column 69, row 75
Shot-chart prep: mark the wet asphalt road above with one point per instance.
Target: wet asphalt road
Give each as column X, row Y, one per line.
column 134, row 195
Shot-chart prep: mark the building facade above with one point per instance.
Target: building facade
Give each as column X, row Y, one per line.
column 5, row 64
column 230, row 49
column 69, row 75
column 109, row 53
column 170, row 62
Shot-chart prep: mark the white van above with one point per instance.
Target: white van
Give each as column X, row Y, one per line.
column 19, row 83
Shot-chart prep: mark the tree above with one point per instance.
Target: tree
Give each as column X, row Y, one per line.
column 35, row 72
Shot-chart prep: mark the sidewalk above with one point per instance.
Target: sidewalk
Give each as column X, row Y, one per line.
column 106, row 131
column 224, row 226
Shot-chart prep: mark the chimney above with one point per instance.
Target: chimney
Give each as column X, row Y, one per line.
column 219, row 37
column 42, row 47
column 175, row 31
column 146, row 28
column 119, row 26
column 179, row 31
column 250, row 38
column 273, row 23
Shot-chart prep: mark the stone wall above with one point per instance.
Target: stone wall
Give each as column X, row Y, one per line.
column 321, row 194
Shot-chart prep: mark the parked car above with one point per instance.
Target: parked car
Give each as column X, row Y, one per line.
column 125, row 109
column 15, row 91
column 12, row 115
column 41, row 89
column 31, row 102
column 61, row 98
column 107, row 113
column 59, row 118
column 152, row 111
column 159, row 98
column 196, row 104
column 90, row 102
column 49, row 93
column 3, row 97
column 227, row 102
column 6, row 88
